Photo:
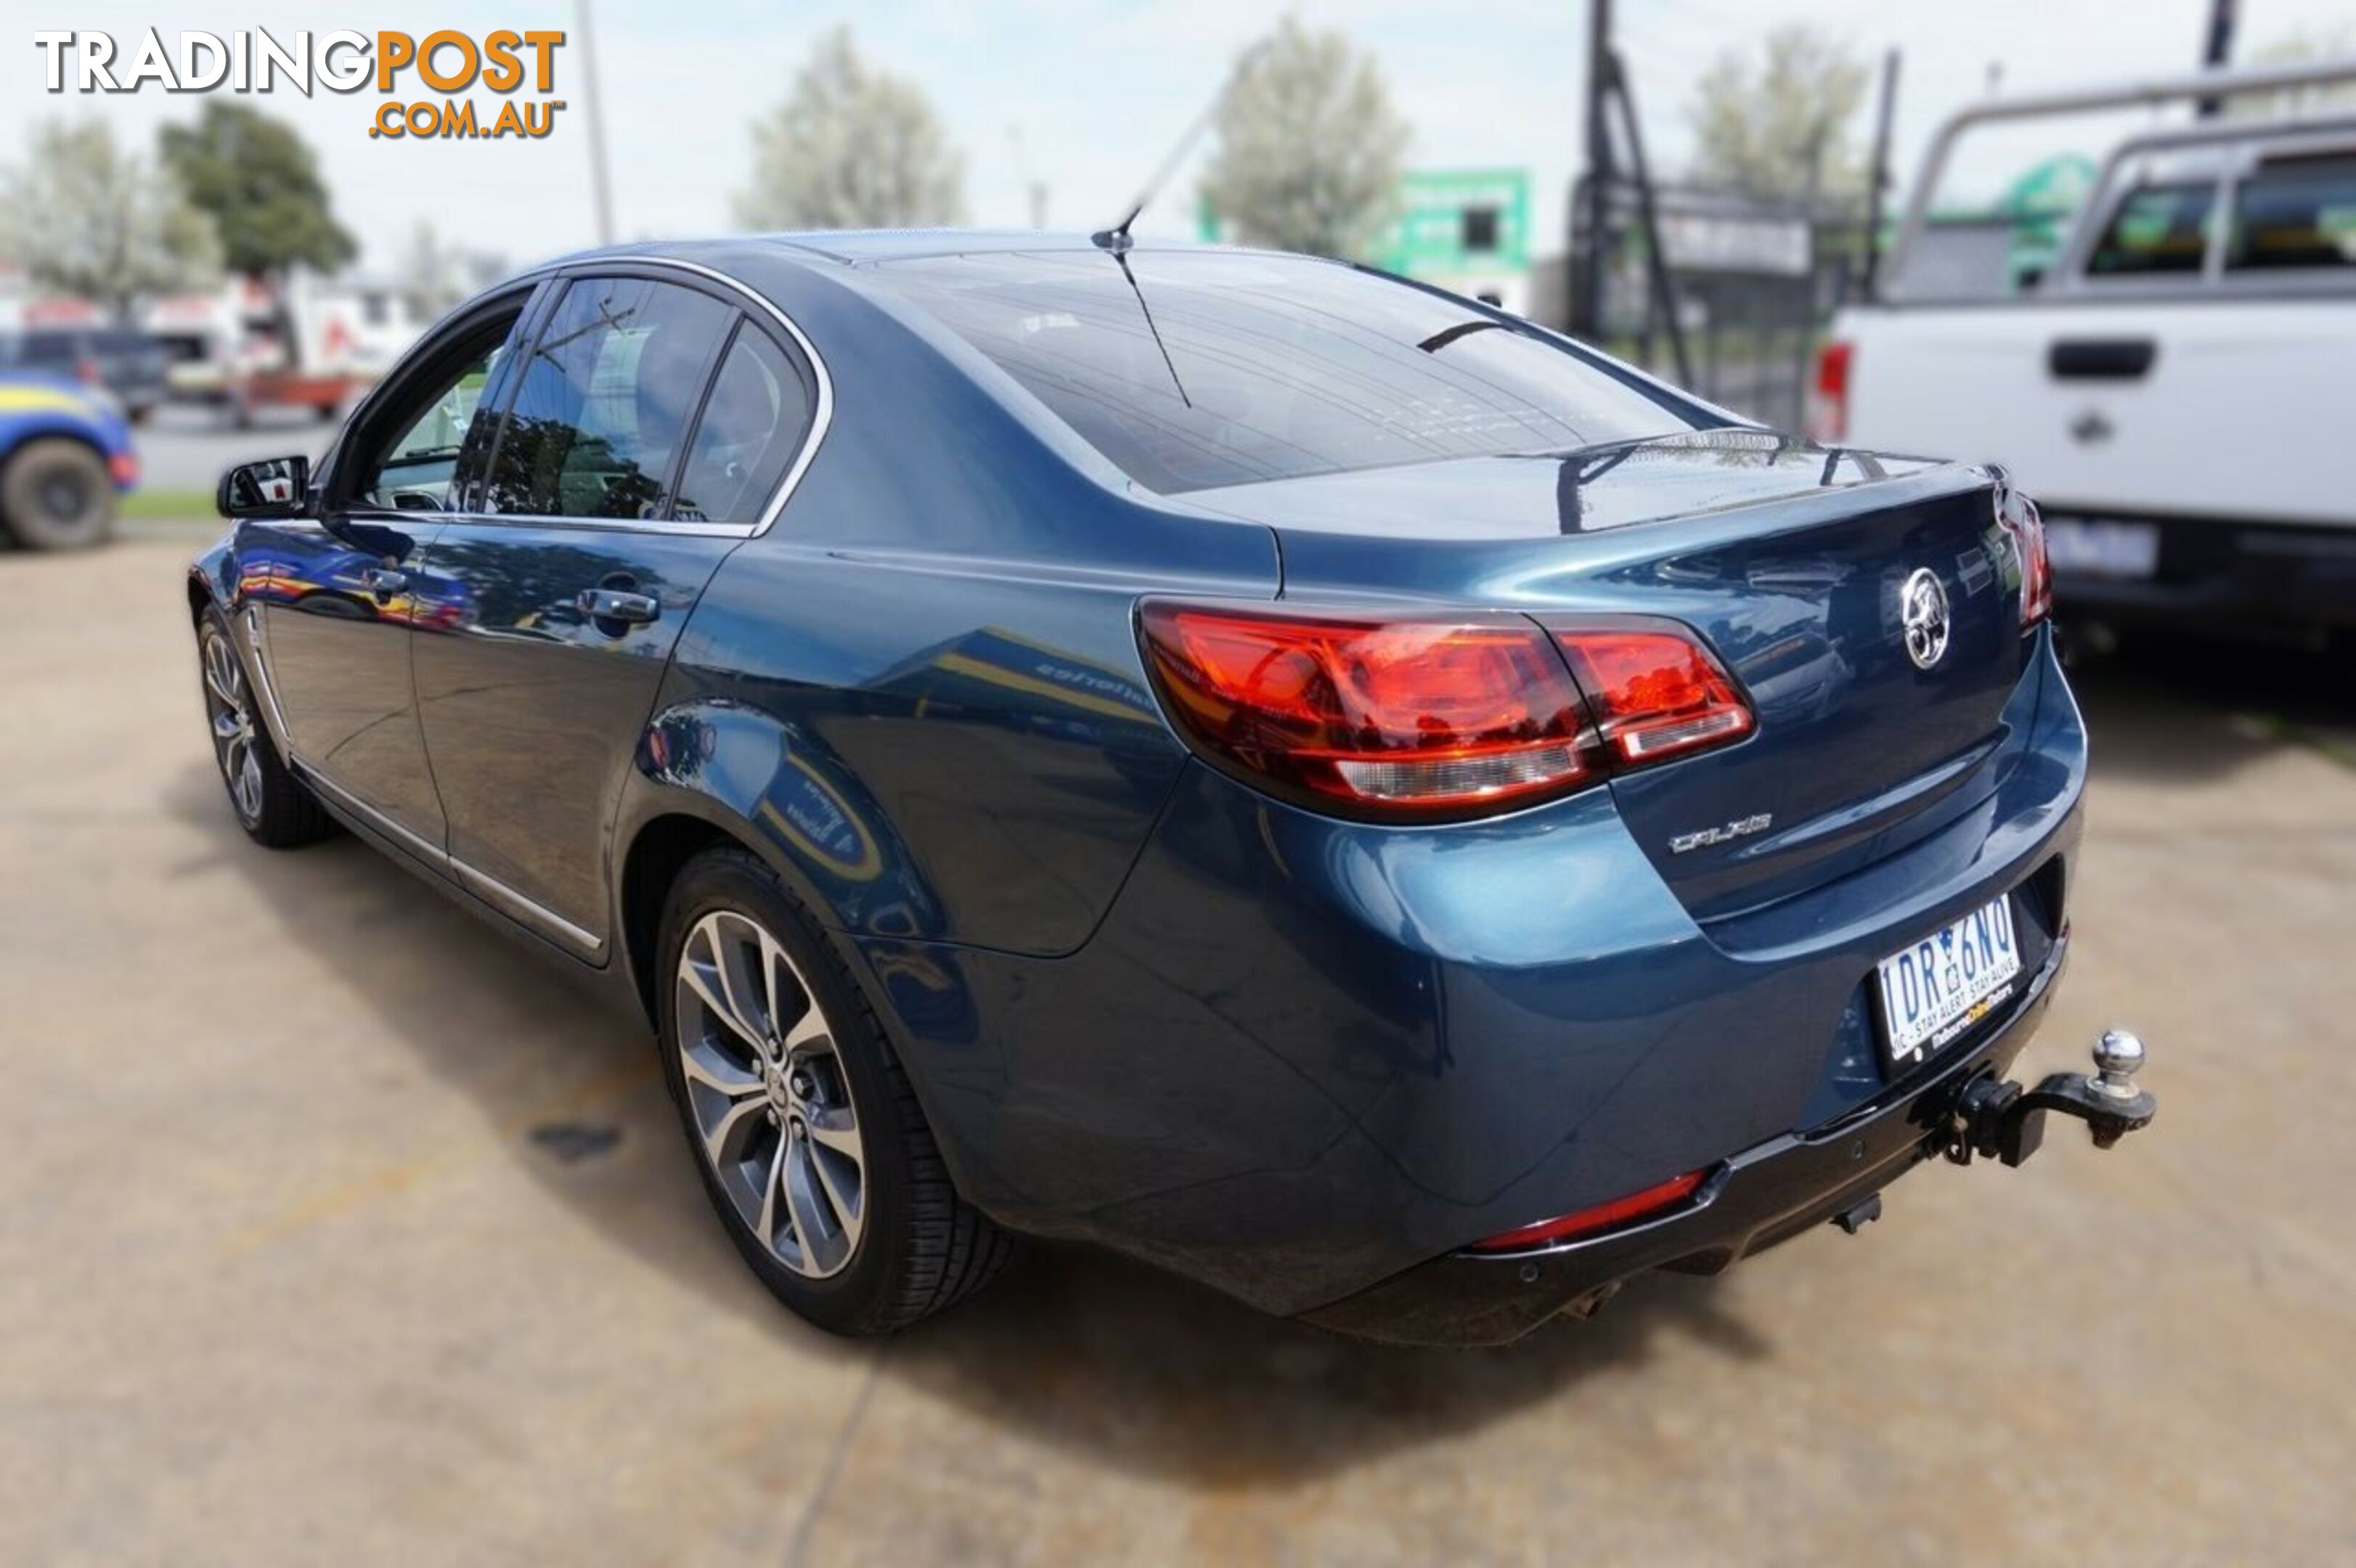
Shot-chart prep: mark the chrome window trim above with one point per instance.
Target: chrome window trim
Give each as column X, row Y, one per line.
column 822, row 412
column 533, row 913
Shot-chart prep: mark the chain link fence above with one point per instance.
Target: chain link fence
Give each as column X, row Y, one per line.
column 1750, row 283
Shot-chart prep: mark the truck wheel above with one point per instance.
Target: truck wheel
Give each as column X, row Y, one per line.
column 56, row 495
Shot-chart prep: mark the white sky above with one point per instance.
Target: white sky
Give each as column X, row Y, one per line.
column 1100, row 89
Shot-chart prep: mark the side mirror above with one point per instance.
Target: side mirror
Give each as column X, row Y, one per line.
column 273, row 487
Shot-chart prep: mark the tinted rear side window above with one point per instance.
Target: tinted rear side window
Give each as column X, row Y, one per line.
column 2156, row 229
column 2298, row 214
column 1276, row 367
column 598, row 414
column 751, row 431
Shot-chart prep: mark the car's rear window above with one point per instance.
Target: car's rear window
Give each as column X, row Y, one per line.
column 1276, row 367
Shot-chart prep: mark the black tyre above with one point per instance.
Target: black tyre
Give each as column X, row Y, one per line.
column 272, row 804
column 56, row 493
column 806, row 1133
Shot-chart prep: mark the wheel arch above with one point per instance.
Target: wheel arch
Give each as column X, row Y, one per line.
column 712, row 769
column 658, row 852
column 33, row 429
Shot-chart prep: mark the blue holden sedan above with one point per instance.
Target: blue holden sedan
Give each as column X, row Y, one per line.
column 1295, row 776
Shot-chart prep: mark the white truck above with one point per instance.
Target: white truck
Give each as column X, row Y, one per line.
column 2178, row 389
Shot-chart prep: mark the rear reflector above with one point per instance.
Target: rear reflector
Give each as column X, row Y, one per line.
column 1438, row 716
column 1603, row 1217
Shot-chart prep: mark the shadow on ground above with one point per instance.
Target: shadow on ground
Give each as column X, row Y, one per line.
column 2165, row 709
column 1074, row 1348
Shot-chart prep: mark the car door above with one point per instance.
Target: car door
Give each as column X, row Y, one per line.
column 615, row 489
column 342, row 590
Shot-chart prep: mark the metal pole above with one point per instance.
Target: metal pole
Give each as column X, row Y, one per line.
column 1664, row 288
column 1034, row 186
column 2217, row 51
column 600, row 182
column 1587, row 252
column 1804, row 338
column 1878, row 187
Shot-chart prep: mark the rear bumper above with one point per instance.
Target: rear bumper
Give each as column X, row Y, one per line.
column 1765, row 1194
column 2267, row 580
column 1302, row 1057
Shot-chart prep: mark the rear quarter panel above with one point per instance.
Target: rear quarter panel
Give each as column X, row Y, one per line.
column 921, row 690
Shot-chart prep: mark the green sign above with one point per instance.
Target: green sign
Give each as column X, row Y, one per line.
column 1457, row 221
column 1452, row 223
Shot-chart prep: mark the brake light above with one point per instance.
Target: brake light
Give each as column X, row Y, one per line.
column 2019, row 517
column 1601, row 1217
column 1397, row 717
column 1433, row 715
column 1654, row 691
column 87, row 372
column 1828, row 419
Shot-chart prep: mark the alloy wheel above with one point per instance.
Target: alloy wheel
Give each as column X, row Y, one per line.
column 228, row 703
column 766, row 1092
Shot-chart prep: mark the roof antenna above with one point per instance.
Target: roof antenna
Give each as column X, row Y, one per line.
column 1116, row 239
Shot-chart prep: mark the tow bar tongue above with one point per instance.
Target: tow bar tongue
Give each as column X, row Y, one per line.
column 2001, row 1119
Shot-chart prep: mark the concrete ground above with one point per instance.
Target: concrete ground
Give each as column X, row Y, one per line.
column 334, row 1228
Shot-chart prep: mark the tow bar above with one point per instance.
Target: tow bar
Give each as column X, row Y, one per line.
column 2001, row 1119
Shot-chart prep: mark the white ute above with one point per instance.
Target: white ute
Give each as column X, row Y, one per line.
column 2177, row 390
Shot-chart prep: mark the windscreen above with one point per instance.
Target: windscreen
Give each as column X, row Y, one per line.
column 1273, row 367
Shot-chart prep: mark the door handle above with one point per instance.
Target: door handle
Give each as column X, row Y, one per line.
column 2101, row 358
column 383, row 581
column 616, row 606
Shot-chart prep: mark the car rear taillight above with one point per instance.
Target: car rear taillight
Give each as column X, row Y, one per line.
column 1433, row 715
column 1394, row 715
column 1601, row 1217
column 1654, row 692
column 2019, row 517
column 87, row 372
column 1828, row 420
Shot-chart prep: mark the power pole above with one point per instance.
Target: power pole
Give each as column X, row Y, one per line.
column 1878, row 186
column 1033, row 187
column 2217, row 50
column 1591, row 209
column 600, row 182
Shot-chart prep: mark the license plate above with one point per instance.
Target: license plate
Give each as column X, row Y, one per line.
column 2102, row 547
column 1934, row 990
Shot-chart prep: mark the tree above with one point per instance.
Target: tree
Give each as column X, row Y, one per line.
column 1779, row 126
column 90, row 219
column 1309, row 146
column 2298, row 48
column 262, row 185
column 850, row 148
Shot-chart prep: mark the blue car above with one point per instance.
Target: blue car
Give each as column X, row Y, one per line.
column 65, row 458
column 1300, row 777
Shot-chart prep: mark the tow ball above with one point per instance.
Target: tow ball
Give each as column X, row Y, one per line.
column 2001, row 1119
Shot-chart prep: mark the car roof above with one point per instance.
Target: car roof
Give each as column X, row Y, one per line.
column 855, row 247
